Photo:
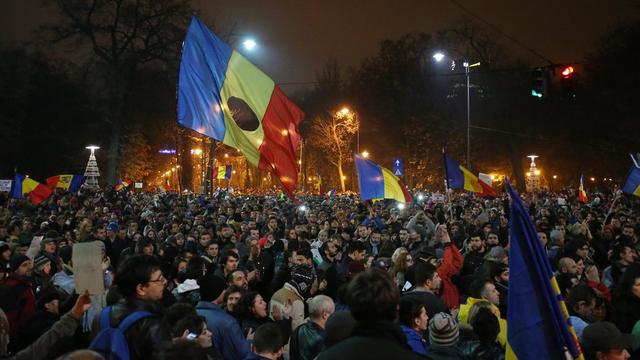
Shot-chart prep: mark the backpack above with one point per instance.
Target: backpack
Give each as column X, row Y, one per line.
column 110, row 341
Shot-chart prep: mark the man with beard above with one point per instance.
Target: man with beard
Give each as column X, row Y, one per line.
column 328, row 269
column 500, row 276
column 581, row 302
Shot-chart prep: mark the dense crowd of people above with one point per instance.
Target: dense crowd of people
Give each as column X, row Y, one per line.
column 260, row 277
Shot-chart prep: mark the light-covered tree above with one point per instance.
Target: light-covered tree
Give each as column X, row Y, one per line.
column 333, row 133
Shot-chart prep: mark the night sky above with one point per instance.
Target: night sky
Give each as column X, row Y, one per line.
column 297, row 37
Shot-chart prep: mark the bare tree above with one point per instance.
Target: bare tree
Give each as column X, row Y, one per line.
column 122, row 36
column 334, row 135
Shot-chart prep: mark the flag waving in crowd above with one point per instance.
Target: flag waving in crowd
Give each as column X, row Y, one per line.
column 582, row 195
column 122, row 185
column 23, row 185
column 632, row 183
column 537, row 316
column 377, row 182
column 459, row 177
column 72, row 183
column 222, row 172
column 224, row 96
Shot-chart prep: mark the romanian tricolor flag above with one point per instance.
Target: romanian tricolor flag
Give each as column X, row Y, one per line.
column 632, row 185
column 582, row 195
column 458, row 177
column 222, row 172
column 36, row 192
column 538, row 324
column 330, row 194
column 121, row 185
column 224, row 96
column 377, row 182
column 71, row 183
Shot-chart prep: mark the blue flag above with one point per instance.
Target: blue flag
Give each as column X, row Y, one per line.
column 537, row 320
column 632, row 184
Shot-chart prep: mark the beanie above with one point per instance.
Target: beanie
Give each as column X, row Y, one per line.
column 17, row 260
column 443, row 330
column 40, row 261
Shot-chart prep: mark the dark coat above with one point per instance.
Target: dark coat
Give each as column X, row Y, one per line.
column 372, row 341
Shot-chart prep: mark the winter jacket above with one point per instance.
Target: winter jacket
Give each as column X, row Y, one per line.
column 450, row 266
column 18, row 288
column 64, row 328
column 415, row 340
column 227, row 335
column 145, row 335
column 477, row 350
column 463, row 318
column 307, row 341
column 378, row 340
column 437, row 352
column 289, row 293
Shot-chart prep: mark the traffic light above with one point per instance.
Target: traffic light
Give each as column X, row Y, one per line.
column 540, row 83
column 567, row 82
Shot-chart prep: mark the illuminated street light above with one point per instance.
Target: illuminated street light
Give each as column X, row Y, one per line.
column 249, row 44
column 226, row 155
column 555, row 177
column 344, row 177
column 438, row 56
column 365, row 154
column 343, row 112
column 592, row 179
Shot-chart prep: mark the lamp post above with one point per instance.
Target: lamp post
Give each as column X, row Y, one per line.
column 439, row 56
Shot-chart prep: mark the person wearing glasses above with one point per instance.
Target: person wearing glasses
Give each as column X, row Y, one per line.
column 141, row 284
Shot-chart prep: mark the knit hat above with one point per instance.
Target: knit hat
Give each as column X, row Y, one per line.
column 4, row 247
column 40, row 261
column 302, row 277
column 112, row 227
column 443, row 330
column 17, row 260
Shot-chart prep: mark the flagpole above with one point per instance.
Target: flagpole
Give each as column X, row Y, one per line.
column 446, row 185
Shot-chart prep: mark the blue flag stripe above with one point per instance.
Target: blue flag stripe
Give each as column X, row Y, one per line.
column 202, row 73
column 537, row 327
column 370, row 179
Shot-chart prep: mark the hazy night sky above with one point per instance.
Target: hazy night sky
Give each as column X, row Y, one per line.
column 296, row 37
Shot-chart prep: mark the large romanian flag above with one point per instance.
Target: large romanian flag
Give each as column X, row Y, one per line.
column 459, row 177
column 23, row 185
column 538, row 324
column 378, row 183
column 224, row 96
column 70, row 183
column 632, row 184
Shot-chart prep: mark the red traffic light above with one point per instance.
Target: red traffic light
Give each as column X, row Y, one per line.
column 567, row 72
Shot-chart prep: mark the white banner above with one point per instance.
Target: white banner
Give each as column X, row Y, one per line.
column 137, row 185
column 5, row 185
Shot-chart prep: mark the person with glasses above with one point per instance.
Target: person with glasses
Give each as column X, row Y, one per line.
column 141, row 285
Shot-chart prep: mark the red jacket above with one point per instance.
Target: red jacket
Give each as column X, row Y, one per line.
column 451, row 265
column 20, row 289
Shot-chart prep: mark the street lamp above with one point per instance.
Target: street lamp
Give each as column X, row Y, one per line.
column 365, row 154
column 249, row 44
column 439, row 56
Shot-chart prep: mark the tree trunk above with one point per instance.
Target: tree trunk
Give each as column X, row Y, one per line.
column 341, row 173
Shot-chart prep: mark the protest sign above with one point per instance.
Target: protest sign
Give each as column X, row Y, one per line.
column 87, row 268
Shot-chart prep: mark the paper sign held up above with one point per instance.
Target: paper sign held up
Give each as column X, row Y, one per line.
column 87, row 268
